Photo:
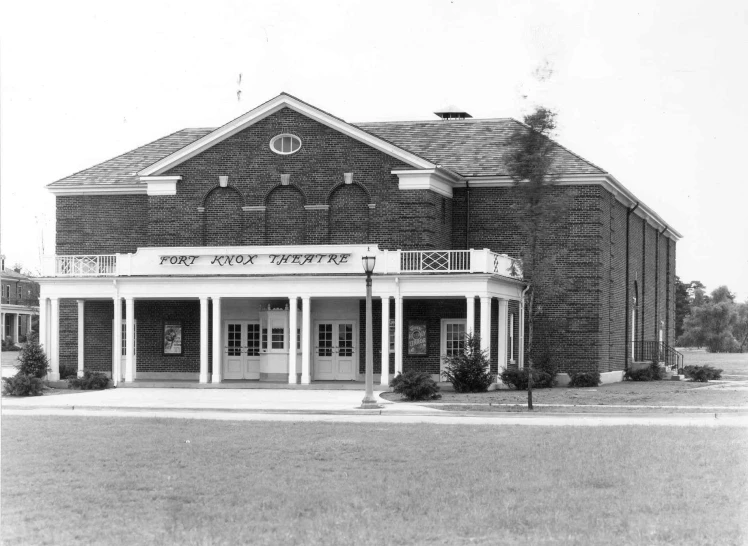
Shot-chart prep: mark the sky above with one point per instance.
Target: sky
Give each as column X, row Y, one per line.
column 654, row 92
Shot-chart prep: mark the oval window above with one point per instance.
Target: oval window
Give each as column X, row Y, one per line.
column 285, row 144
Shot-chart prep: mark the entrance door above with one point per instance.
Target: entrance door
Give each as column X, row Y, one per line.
column 335, row 351
column 452, row 339
column 241, row 350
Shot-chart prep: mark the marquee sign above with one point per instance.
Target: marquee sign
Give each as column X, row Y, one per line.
column 248, row 260
column 232, row 260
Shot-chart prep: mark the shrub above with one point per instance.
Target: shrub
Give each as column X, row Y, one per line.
column 520, row 378
column 702, row 373
column 33, row 360
column 90, row 381
column 651, row 373
column 22, row 385
column 68, row 371
column 468, row 370
column 10, row 346
column 415, row 385
column 585, row 379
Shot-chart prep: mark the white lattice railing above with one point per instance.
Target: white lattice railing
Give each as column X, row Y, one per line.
column 101, row 265
column 449, row 261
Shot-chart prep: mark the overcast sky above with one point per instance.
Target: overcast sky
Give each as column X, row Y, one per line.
column 653, row 92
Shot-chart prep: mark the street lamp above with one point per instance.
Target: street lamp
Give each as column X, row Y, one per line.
column 369, row 402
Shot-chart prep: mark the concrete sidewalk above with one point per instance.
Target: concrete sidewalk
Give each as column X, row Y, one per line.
column 316, row 405
column 225, row 400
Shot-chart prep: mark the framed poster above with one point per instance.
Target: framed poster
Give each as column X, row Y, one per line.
column 417, row 337
column 172, row 337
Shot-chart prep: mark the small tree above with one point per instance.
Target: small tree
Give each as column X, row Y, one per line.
column 33, row 360
column 529, row 162
column 713, row 323
column 468, row 369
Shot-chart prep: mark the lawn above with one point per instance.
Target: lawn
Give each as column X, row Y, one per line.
column 71, row 481
column 732, row 393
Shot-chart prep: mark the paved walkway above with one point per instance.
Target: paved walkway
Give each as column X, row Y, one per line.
column 338, row 406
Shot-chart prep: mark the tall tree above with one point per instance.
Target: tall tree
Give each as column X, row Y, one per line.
column 682, row 305
column 529, row 162
column 712, row 324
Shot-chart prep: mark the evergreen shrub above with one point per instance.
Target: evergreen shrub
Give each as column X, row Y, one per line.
column 651, row 373
column 67, row 372
column 415, row 385
column 585, row 379
column 22, row 385
column 520, row 378
column 33, row 360
column 468, row 370
column 702, row 373
column 90, row 381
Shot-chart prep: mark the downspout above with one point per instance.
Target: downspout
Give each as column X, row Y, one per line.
column 521, row 348
column 657, row 285
column 626, row 317
column 467, row 214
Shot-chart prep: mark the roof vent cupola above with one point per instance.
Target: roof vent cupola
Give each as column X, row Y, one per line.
column 452, row 112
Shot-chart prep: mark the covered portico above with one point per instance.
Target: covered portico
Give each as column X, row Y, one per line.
column 312, row 293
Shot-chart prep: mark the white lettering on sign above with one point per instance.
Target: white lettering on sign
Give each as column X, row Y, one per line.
column 253, row 259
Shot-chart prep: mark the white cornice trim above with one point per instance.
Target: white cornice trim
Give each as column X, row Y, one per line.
column 101, row 189
column 161, row 185
column 269, row 108
column 608, row 181
column 437, row 180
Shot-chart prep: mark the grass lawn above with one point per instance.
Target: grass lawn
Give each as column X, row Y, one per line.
column 70, row 481
column 733, row 392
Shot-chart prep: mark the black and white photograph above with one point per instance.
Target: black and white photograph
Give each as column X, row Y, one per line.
column 424, row 272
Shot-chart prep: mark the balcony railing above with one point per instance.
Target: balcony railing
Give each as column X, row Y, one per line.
column 101, row 265
column 189, row 261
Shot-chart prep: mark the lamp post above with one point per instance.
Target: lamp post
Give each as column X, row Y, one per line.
column 369, row 402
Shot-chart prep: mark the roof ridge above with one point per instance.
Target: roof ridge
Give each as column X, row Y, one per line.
column 434, row 121
column 123, row 154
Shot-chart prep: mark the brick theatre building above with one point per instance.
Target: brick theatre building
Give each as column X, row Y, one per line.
column 233, row 255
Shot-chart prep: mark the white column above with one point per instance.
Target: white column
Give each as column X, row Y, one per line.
column 43, row 330
column 204, row 339
column 81, row 337
column 117, row 342
column 17, row 328
column 398, row 334
column 305, row 344
column 54, row 340
column 470, row 319
column 217, row 341
column 129, row 340
column 292, row 327
column 503, row 333
column 485, row 326
column 385, row 380
column 2, row 326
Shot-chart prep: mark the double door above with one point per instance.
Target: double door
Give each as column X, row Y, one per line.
column 241, row 352
column 335, row 351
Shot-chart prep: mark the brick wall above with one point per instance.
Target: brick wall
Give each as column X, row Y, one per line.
column 223, row 218
column 101, row 224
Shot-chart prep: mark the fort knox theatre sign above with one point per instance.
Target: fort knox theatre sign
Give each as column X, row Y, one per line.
column 273, row 260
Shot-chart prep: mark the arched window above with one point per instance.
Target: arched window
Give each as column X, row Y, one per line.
column 223, row 218
column 349, row 215
column 285, row 214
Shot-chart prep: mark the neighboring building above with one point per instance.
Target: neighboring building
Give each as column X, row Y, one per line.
column 20, row 302
column 237, row 252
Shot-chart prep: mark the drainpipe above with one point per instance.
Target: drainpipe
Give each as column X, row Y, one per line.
column 657, row 284
column 521, row 355
column 626, row 317
column 467, row 214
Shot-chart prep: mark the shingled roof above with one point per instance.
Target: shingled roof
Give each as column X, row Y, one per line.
column 123, row 168
column 471, row 147
column 468, row 147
